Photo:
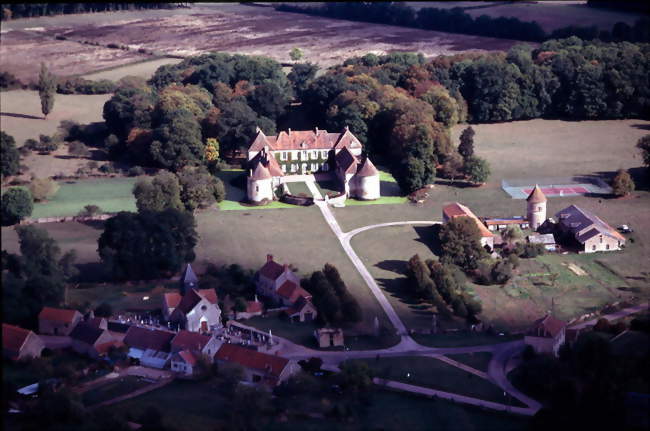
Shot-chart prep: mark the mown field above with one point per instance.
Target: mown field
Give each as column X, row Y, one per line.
column 386, row 410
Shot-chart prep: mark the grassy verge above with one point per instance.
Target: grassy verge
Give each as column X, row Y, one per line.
column 113, row 389
column 478, row 360
column 380, row 201
column 121, row 297
column 235, row 182
column 111, row 195
column 459, row 339
column 435, row 374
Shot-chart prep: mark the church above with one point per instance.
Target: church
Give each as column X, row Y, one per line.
column 275, row 160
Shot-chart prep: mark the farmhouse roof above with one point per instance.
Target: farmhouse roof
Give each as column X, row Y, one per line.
column 577, row 220
column 254, row 307
column 547, row 326
column 273, row 365
column 271, row 269
column 95, row 322
column 172, row 299
column 292, row 292
column 346, row 161
column 86, row 333
column 300, row 305
column 367, row 169
column 105, row 347
column 536, row 196
column 209, row 294
column 304, row 140
column 13, row 339
column 58, row 314
column 186, row 340
column 186, row 356
column 144, row 338
column 459, row 210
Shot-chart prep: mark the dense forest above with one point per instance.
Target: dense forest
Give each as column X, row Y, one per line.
column 29, row 10
column 455, row 20
column 399, row 105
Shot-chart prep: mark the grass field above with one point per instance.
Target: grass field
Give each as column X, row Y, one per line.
column 462, row 338
column 121, row 297
column 143, row 69
column 113, row 389
column 110, row 194
column 435, row 374
column 21, row 115
column 478, row 360
column 387, row 410
column 299, row 188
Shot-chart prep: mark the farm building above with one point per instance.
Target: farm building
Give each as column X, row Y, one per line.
column 501, row 223
column 90, row 340
column 302, row 310
column 19, row 343
column 270, row 370
column 546, row 335
column 459, row 210
column 329, row 337
column 152, row 347
column 57, row 321
column 588, row 230
column 196, row 342
column 184, row 362
column 274, row 160
column 548, row 240
column 253, row 308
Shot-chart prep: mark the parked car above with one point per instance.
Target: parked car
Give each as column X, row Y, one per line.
column 625, row 229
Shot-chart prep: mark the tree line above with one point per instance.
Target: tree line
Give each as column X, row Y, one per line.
column 29, row 10
column 456, row 20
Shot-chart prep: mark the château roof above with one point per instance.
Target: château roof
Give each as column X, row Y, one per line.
column 271, row 268
column 304, row 140
column 261, row 172
column 346, row 161
column 367, row 169
column 536, row 196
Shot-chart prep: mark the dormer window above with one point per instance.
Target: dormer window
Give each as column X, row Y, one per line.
column 204, row 307
column 303, row 144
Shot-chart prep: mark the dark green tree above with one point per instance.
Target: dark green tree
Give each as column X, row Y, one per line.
column 476, row 169
column 460, row 242
column 46, row 89
column 177, row 142
column 9, row 155
column 148, row 245
column 301, row 76
column 466, row 146
column 644, row 146
column 163, row 192
column 17, row 204
column 622, row 184
column 199, row 188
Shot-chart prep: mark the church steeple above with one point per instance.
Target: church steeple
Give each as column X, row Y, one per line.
column 188, row 280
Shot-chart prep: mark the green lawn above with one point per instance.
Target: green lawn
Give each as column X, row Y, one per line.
column 299, row 188
column 477, row 360
column 435, row 374
column 121, row 297
column 459, row 339
column 235, row 182
column 329, row 187
column 110, row 194
column 113, row 389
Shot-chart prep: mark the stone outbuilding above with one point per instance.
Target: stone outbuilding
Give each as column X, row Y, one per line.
column 588, row 230
column 58, row 321
column 546, row 335
column 19, row 343
column 259, row 368
column 329, row 337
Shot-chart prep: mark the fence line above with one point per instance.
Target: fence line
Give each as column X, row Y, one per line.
column 62, row 219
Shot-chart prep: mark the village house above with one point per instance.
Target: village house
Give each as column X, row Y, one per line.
column 274, row 160
column 329, row 337
column 261, row 368
column 192, row 309
column 151, row 347
column 19, row 343
column 90, row 340
column 588, row 230
column 253, row 308
column 280, row 284
column 459, row 210
column 546, row 335
column 547, row 240
column 57, row 321
column 187, row 349
column 98, row 322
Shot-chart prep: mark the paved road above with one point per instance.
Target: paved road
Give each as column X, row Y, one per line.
column 54, row 342
column 613, row 316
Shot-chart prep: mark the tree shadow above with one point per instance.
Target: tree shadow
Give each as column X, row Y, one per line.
column 93, row 272
column 68, row 157
column 387, row 188
column 12, row 114
column 396, row 266
column 454, row 183
column 640, row 175
column 95, row 224
column 429, row 236
column 641, row 126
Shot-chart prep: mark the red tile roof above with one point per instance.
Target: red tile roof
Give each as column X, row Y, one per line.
column 261, row 172
column 274, row 365
column 144, row 338
column 254, row 307
column 536, row 196
column 292, row 291
column 13, row 338
column 172, row 299
column 300, row 304
column 367, row 169
column 103, row 348
column 304, row 140
column 188, row 357
column 210, row 295
column 186, row 340
column 459, row 210
column 346, row 161
column 547, row 325
column 86, row 333
column 271, row 269
column 58, row 314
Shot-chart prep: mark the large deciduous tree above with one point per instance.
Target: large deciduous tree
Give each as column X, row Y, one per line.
column 622, row 184
column 148, row 244
column 466, row 146
column 46, row 89
column 476, row 169
column 17, row 204
column 460, row 242
column 644, row 146
column 177, row 141
column 199, row 188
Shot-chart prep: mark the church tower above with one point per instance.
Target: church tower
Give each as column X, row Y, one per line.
column 188, row 280
column 536, row 213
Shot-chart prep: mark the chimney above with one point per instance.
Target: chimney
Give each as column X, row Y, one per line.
column 289, row 131
column 346, row 128
column 269, row 258
column 317, row 130
column 286, row 267
column 257, row 129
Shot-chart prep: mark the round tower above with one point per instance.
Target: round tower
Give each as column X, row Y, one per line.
column 260, row 184
column 536, row 213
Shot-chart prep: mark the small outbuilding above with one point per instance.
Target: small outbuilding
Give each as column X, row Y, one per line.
column 546, row 335
column 19, row 343
column 57, row 321
column 547, row 240
column 329, row 337
column 90, row 340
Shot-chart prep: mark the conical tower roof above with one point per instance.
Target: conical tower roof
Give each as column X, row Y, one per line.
column 188, row 280
column 367, row 169
column 536, row 196
column 261, row 172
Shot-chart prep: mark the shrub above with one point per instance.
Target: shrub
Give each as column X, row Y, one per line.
column 104, row 310
column 136, row 171
column 113, row 46
column 45, row 144
column 78, row 149
column 92, row 164
column 16, row 205
column 24, row 151
column 107, row 168
column 43, row 188
column 89, row 211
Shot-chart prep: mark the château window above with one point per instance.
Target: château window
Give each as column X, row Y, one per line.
column 257, row 188
column 283, row 155
column 593, row 247
column 324, row 154
column 314, row 155
column 539, row 208
column 601, row 239
column 606, row 246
